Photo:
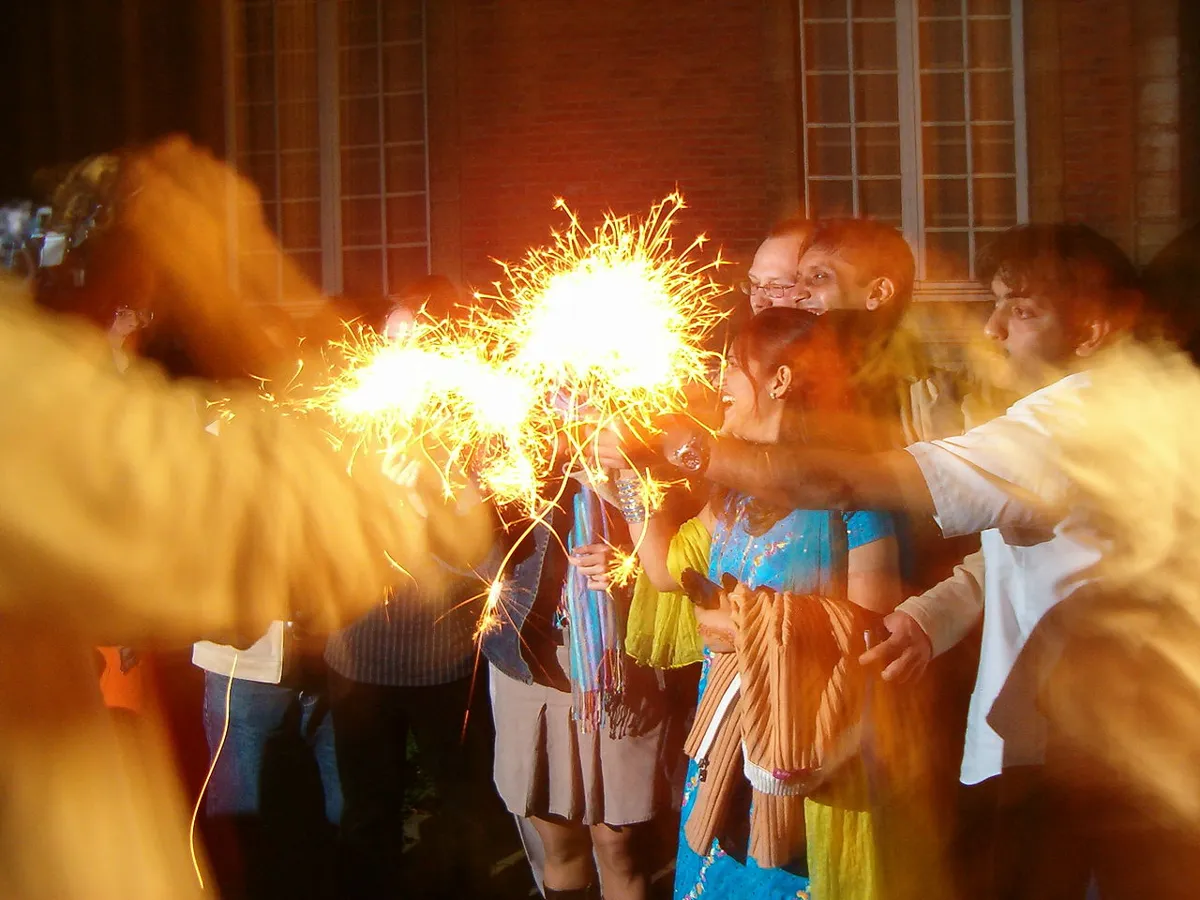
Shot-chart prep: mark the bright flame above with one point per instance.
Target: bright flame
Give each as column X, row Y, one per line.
column 597, row 328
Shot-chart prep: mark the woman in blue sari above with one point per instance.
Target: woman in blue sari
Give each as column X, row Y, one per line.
column 784, row 383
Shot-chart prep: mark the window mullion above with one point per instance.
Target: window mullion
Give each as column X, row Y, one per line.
column 856, row 205
column 329, row 124
column 1020, row 134
column 909, row 97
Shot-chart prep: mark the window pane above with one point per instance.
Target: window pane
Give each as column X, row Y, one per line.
column 405, row 118
column 361, row 222
column 875, row 98
column 989, row 43
column 881, row 200
column 825, row 9
column 259, row 26
column 360, row 171
column 992, row 149
column 989, row 7
column 995, row 201
column 991, row 96
column 828, row 98
column 946, row 202
column 309, row 262
column 260, row 168
column 298, row 127
column 944, row 150
column 405, row 265
column 401, row 20
column 942, row 44
column 260, row 78
column 298, row 76
column 831, row 198
column 825, row 46
column 939, row 8
column 359, row 71
column 947, row 256
column 874, row 46
column 402, row 68
column 878, row 150
column 300, row 175
column 405, row 168
column 295, row 25
column 875, row 9
column 358, row 21
column 943, row 98
column 406, row 219
column 260, row 128
column 300, row 225
column 829, row 151
column 360, row 121
column 362, row 272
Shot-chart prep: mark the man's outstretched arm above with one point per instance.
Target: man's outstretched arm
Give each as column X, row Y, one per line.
column 819, row 479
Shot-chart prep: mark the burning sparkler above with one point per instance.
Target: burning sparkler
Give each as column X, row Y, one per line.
column 598, row 328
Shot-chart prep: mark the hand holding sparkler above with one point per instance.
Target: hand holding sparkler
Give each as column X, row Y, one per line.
column 596, row 562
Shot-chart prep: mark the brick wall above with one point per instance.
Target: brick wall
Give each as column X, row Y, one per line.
column 1097, row 90
column 614, row 104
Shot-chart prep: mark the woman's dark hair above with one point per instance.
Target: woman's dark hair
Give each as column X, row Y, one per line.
column 819, row 404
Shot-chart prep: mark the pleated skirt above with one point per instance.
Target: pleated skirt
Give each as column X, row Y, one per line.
column 548, row 765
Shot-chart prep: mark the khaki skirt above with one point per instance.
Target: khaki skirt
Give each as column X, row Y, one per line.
column 547, row 765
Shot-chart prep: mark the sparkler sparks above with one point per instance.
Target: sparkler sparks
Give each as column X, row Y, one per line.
column 600, row 327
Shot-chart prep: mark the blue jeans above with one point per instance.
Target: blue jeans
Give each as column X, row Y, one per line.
column 270, row 826
column 262, row 717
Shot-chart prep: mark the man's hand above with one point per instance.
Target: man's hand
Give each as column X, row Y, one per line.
column 906, row 652
column 196, row 228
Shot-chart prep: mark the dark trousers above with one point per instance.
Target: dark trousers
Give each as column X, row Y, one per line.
column 273, row 803
column 455, row 851
column 1017, row 840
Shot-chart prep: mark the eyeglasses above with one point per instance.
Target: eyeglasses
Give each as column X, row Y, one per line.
column 774, row 291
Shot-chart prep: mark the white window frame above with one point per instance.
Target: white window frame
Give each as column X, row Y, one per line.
column 329, row 96
column 912, row 178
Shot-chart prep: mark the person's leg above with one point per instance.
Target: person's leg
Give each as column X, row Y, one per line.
column 316, row 724
column 452, row 728
column 370, row 733
column 249, row 715
column 1038, row 855
column 620, row 854
column 567, row 848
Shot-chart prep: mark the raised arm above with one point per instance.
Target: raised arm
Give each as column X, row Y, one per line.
column 121, row 517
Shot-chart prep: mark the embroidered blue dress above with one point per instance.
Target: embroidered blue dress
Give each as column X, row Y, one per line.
column 804, row 552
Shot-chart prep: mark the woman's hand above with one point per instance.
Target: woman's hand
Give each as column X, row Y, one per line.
column 594, row 561
column 716, row 624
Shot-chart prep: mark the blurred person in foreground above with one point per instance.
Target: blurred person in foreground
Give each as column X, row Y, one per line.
column 124, row 522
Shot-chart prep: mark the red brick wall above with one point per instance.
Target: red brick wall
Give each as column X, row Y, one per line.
column 611, row 104
column 1098, row 114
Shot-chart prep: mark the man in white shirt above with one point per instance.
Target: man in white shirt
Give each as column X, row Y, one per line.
column 1063, row 295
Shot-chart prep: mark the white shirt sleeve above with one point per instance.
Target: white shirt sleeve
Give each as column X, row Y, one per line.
column 1006, row 472
column 950, row 609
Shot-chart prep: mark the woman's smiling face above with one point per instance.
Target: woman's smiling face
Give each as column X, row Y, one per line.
column 750, row 413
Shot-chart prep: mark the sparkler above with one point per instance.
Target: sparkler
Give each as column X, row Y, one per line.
column 599, row 328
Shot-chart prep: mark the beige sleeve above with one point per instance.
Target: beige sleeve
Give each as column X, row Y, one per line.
column 122, row 519
column 948, row 610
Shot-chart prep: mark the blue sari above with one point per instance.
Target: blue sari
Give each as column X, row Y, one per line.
column 804, row 552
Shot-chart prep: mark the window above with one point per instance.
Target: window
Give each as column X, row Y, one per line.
column 327, row 115
column 914, row 115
